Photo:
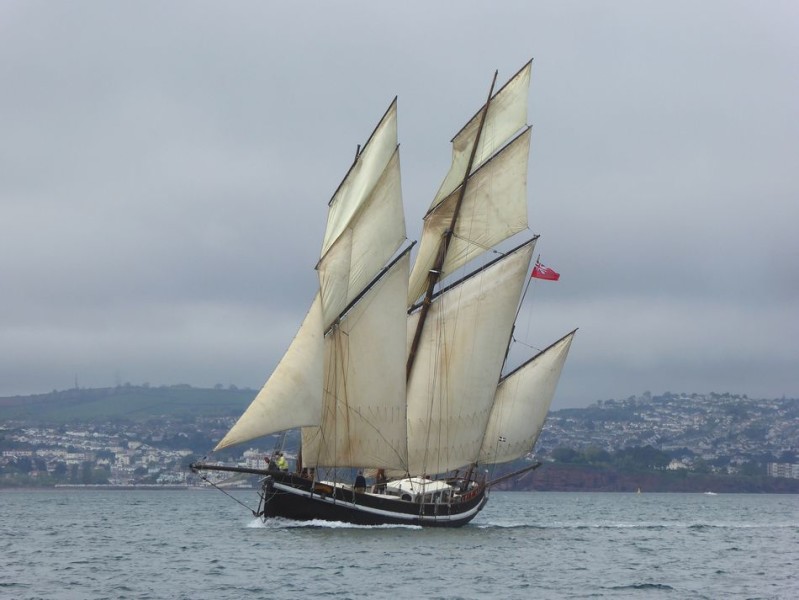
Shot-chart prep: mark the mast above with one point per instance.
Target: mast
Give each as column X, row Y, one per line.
column 435, row 273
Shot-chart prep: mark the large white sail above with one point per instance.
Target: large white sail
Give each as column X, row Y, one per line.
column 365, row 245
column 494, row 207
column 507, row 114
column 364, row 417
column 522, row 403
column 362, row 177
column 452, row 384
column 292, row 396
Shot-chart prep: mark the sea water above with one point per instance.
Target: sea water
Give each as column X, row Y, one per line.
column 201, row 544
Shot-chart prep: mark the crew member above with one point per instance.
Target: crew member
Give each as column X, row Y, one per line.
column 360, row 482
column 282, row 464
column 380, row 482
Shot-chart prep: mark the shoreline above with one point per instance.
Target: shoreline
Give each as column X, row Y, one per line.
column 536, row 490
column 114, row 487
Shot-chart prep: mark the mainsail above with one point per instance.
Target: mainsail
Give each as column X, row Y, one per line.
column 377, row 379
column 451, row 388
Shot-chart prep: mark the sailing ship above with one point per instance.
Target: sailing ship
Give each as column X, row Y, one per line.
column 397, row 372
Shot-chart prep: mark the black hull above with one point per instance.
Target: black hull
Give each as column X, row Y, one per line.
column 291, row 497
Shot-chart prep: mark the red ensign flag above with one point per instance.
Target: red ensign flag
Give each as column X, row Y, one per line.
column 542, row 272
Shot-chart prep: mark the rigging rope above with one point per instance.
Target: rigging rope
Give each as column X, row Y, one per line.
column 484, row 248
column 205, row 479
column 518, row 341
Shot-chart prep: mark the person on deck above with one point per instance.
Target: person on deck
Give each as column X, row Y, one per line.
column 380, row 482
column 281, row 462
column 360, row 482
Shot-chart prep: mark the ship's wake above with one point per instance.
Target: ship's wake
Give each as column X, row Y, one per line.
column 278, row 523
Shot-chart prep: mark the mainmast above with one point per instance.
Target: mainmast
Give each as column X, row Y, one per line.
column 434, row 275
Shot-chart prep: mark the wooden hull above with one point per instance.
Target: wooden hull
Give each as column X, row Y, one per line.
column 291, row 497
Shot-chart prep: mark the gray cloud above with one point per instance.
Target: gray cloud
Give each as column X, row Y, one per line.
column 164, row 173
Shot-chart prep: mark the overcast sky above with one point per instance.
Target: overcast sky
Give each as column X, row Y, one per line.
column 165, row 170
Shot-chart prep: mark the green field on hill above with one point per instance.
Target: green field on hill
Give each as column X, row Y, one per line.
column 125, row 402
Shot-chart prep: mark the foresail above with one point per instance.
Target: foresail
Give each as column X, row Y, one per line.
column 507, row 114
column 451, row 387
column 364, row 415
column 362, row 177
column 371, row 237
column 494, row 207
column 521, row 405
column 292, row 396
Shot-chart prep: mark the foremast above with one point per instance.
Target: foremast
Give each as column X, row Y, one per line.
column 362, row 405
column 365, row 227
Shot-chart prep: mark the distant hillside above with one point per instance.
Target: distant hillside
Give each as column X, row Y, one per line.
column 136, row 403
column 723, row 430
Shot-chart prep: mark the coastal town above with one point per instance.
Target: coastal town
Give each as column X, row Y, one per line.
column 724, row 433
column 713, row 433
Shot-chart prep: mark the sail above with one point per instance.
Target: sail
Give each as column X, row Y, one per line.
column 362, row 177
column 521, row 404
column 507, row 114
column 494, row 207
column 372, row 236
column 451, row 387
column 292, row 396
column 364, row 417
